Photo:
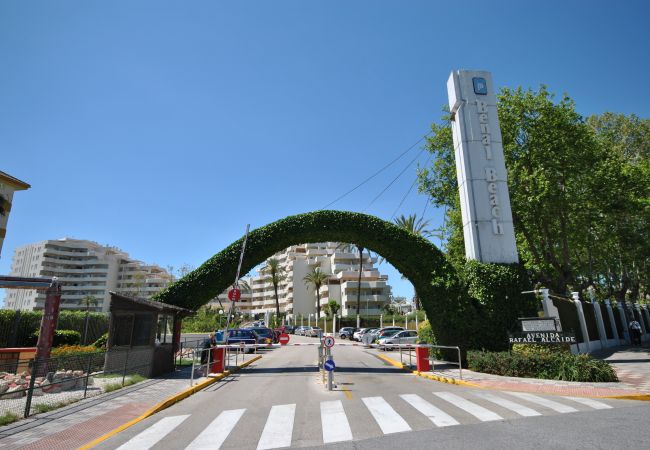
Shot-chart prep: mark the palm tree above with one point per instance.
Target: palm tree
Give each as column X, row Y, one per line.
column 317, row 278
column 419, row 227
column 275, row 274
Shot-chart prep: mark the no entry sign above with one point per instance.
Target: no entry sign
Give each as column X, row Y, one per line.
column 328, row 341
column 234, row 295
column 284, row 339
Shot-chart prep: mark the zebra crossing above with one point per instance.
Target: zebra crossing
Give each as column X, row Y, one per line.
column 442, row 408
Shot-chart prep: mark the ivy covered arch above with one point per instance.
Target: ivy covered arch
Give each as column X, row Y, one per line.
column 456, row 317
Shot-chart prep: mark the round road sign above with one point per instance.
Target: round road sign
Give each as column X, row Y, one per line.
column 328, row 341
column 234, row 295
column 284, row 339
column 329, row 365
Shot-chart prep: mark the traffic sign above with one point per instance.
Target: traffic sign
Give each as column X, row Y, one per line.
column 234, row 295
column 329, row 365
column 328, row 341
column 284, row 339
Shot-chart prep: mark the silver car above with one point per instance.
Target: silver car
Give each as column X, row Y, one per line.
column 401, row 337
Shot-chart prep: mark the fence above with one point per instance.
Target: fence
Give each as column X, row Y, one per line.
column 29, row 387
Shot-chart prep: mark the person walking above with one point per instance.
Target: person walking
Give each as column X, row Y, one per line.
column 635, row 332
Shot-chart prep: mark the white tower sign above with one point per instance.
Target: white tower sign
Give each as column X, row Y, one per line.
column 482, row 177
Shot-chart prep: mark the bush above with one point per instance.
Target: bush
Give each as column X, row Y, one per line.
column 73, row 350
column 101, row 342
column 553, row 364
column 61, row 337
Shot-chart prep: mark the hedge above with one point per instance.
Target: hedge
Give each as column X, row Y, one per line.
column 473, row 308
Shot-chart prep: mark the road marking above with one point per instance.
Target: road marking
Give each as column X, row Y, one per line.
column 335, row 423
column 279, row 427
column 436, row 415
column 589, row 402
column 385, row 416
column 149, row 437
column 555, row 406
column 347, row 393
column 508, row 404
column 482, row 414
column 217, row 432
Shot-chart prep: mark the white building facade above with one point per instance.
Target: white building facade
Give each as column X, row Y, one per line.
column 299, row 299
column 84, row 269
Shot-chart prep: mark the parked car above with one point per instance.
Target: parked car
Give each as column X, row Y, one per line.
column 364, row 332
column 346, row 332
column 388, row 331
column 302, row 330
column 356, row 336
column 265, row 335
column 242, row 335
column 289, row 329
column 401, row 337
column 314, row 332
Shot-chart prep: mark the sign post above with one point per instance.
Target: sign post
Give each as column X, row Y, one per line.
column 329, row 366
column 235, row 284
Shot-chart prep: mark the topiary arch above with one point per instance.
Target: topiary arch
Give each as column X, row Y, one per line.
column 454, row 316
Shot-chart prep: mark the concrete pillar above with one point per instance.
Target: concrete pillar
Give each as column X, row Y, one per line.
column 581, row 319
column 550, row 310
column 623, row 314
column 381, row 321
column 393, row 320
column 406, row 322
column 334, row 324
column 610, row 314
column 358, row 321
column 599, row 318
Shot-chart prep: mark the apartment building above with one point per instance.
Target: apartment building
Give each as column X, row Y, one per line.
column 299, row 299
column 84, row 269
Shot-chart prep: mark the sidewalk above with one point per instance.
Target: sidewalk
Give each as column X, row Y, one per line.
column 632, row 365
column 78, row 424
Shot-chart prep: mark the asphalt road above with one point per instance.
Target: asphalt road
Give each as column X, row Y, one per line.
column 280, row 401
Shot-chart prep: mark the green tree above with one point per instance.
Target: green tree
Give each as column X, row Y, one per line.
column 574, row 200
column 274, row 274
column 332, row 307
column 316, row 278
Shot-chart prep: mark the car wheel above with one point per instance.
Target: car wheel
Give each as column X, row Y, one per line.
column 342, row 336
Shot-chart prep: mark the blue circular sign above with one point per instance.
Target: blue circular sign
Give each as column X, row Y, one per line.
column 329, row 365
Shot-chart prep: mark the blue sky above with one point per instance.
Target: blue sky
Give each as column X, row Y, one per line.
column 164, row 128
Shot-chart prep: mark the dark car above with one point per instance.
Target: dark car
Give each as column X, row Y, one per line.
column 289, row 329
column 347, row 332
column 241, row 335
column 264, row 335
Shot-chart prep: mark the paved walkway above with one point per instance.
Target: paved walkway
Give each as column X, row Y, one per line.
column 632, row 365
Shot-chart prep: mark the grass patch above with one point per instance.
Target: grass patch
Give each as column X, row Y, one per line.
column 46, row 407
column 7, row 418
column 128, row 381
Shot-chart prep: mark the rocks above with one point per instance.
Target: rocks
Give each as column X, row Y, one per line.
column 15, row 386
column 13, row 392
column 4, row 386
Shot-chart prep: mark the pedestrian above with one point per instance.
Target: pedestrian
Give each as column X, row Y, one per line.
column 635, row 332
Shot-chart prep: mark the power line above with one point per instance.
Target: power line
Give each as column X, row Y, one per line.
column 394, row 179
column 378, row 172
column 409, row 191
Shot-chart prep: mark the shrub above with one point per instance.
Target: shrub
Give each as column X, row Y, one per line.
column 554, row 364
column 101, row 342
column 73, row 350
column 7, row 418
column 61, row 337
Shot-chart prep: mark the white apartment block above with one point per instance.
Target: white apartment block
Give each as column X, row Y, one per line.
column 297, row 298
column 84, row 268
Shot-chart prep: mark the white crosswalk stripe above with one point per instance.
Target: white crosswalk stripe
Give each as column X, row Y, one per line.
column 279, row 427
column 213, row 436
column 443, row 409
column 334, row 422
column 482, row 414
column 385, row 416
column 508, row 404
column 149, row 437
column 589, row 402
column 437, row 416
column 555, row 406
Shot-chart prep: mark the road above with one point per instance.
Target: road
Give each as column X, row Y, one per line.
column 280, row 402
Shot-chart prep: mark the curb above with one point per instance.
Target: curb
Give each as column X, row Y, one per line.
column 447, row 380
column 167, row 403
column 637, row 397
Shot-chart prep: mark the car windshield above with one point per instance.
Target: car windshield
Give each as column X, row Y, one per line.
column 265, row 332
column 390, row 333
column 240, row 333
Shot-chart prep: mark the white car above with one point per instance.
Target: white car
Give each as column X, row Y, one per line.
column 313, row 332
column 356, row 336
column 302, row 330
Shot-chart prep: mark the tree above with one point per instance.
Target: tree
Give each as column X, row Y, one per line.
column 578, row 207
column 332, row 307
column 316, row 278
column 275, row 275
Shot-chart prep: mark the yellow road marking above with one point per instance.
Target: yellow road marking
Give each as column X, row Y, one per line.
column 347, row 393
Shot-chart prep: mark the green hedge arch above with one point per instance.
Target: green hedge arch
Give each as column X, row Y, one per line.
column 415, row 257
